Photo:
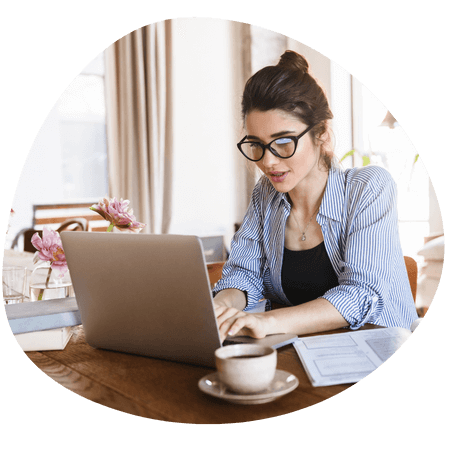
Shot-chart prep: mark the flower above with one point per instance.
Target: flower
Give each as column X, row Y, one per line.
column 50, row 249
column 118, row 215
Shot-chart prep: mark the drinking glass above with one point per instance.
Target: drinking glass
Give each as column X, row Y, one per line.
column 13, row 284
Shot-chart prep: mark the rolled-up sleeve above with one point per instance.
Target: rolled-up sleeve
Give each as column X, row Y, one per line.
column 243, row 269
column 369, row 252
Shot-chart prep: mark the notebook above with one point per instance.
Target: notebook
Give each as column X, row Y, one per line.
column 148, row 295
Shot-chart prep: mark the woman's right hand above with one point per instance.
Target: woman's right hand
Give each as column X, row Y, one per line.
column 234, row 322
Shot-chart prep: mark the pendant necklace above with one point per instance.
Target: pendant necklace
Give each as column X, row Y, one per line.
column 303, row 238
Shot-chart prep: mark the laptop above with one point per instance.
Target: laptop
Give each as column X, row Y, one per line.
column 147, row 295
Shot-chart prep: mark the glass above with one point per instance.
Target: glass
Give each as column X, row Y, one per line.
column 282, row 147
column 13, row 284
column 46, row 284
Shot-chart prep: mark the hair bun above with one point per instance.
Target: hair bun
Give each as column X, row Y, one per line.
column 293, row 61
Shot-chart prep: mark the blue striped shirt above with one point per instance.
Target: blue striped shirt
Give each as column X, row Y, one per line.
column 358, row 218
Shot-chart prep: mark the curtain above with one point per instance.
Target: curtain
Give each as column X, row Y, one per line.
column 139, row 123
column 246, row 174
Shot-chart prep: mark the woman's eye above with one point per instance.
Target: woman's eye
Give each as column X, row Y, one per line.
column 254, row 144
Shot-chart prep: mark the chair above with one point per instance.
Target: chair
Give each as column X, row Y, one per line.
column 79, row 224
column 215, row 272
column 56, row 214
column 411, row 268
column 27, row 233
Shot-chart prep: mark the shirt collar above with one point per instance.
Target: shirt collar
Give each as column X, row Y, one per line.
column 333, row 198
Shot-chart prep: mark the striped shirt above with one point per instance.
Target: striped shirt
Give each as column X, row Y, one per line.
column 358, row 218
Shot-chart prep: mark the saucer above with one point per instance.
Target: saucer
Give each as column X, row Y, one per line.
column 282, row 384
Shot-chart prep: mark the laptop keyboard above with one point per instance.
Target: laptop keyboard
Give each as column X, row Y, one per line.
column 237, row 340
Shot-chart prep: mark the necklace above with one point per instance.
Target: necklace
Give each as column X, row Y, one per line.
column 303, row 238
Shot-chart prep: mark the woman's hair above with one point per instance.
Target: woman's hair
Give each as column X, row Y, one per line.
column 289, row 87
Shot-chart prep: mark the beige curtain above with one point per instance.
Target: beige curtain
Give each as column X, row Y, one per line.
column 246, row 174
column 139, row 123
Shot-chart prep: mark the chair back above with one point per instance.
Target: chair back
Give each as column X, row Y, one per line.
column 79, row 224
column 411, row 268
column 55, row 215
column 27, row 233
column 214, row 272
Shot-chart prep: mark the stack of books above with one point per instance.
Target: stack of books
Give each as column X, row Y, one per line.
column 43, row 325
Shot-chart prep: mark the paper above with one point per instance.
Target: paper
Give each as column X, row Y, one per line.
column 347, row 357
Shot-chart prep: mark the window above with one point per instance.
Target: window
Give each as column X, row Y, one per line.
column 68, row 159
column 81, row 110
column 380, row 140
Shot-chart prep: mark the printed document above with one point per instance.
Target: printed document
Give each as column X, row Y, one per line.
column 347, row 357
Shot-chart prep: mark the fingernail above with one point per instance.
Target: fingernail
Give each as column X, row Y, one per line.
column 231, row 332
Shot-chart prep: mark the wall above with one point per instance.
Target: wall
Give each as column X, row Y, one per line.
column 336, row 83
column 67, row 161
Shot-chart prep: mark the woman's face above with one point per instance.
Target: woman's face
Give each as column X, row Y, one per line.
column 285, row 174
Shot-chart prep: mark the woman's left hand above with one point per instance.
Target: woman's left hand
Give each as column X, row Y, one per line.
column 232, row 321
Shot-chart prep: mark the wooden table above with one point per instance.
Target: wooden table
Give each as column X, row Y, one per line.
column 166, row 390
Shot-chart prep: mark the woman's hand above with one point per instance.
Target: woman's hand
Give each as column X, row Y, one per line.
column 232, row 322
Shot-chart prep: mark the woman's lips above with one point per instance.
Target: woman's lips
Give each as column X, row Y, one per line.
column 278, row 177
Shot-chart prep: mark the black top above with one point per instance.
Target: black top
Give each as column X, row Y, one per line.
column 307, row 274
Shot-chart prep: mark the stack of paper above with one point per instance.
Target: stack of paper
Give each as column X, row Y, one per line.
column 347, row 357
column 38, row 341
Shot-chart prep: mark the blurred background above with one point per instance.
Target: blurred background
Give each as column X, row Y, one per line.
column 155, row 118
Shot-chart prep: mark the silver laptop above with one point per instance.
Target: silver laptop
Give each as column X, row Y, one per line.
column 147, row 295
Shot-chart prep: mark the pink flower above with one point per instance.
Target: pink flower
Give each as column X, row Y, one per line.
column 118, row 215
column 49, row 248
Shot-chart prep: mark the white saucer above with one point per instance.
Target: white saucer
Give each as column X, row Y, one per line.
column 283, row 383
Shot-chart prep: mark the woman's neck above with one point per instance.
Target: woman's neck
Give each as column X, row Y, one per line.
column 307, row 196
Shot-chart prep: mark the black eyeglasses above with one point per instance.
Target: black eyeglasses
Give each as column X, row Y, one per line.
column 282, row 147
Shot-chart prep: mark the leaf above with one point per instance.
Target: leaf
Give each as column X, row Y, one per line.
column 349, row 153
column 416, row 158
column 366, row 160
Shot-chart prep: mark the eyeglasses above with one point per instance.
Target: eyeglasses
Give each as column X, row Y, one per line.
column 282, row 147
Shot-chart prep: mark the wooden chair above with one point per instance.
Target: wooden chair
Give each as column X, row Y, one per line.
column 56, row 214
column 411, row 268
column 27, row 233
column 215, row 272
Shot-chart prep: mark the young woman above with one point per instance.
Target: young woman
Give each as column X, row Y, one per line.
column 321, row 241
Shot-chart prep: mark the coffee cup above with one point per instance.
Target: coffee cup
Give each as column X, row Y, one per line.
column 246, row 368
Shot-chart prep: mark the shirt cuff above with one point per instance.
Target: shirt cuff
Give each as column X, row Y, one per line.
column 251, row 296
column 356, row 312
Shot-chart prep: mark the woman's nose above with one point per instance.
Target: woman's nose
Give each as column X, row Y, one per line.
column 269, row 159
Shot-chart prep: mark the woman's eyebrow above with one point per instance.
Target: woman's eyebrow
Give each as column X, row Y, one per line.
column 275, row 135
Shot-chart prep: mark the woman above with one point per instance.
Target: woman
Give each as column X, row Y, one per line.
column 321, row 241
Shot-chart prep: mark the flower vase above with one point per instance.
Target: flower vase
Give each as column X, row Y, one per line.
column 46, row 284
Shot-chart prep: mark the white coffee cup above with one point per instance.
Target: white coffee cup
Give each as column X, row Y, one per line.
column 246, row 368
